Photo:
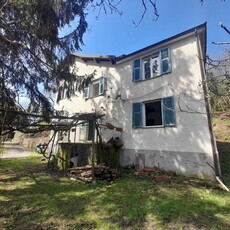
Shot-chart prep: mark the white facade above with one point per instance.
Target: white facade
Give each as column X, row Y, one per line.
column 184, row 146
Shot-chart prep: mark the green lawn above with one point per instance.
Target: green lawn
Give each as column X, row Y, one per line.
column 32, row 197
column 222, row 133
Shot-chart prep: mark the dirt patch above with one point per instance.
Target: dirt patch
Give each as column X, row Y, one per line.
column 223, row 116
column 221, row 127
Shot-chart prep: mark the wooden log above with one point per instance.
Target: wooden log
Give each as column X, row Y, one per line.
column 81, row 168
column 87, row 174
column 101, row 167
column 148, row 169
column 141, row 174
column 77, row 171
column 116, row 175
column 163, row 178
column 84, row 179
column 87, row 167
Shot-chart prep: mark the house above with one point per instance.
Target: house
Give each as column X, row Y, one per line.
column 157, row 95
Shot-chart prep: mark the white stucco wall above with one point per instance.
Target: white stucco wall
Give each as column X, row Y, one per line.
column 184, row 148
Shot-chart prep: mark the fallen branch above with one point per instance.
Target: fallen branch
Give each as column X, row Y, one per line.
column 222, row 185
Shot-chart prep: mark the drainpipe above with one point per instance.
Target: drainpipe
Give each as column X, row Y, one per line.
column 207, row 105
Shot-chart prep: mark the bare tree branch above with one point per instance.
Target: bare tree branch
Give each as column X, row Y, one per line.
column 154, row 5
column 220, row 43
column 225, row 28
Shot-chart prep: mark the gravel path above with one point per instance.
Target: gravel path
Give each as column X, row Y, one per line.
column 15, row 151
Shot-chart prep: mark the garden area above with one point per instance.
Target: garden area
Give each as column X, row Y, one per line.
column 34, row 197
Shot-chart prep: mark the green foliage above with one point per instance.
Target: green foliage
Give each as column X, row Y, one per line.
column 31, row 48
column 2, row 150
column 218, row 79
column 63, row 156
column 33, row 197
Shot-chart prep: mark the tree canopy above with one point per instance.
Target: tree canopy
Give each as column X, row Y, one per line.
column 218, row 79
column 31, row 49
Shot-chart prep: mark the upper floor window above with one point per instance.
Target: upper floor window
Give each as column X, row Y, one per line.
column 65, row 91
column 96, row 88
column 152, row 66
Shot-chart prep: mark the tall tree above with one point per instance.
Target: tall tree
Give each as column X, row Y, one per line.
column 218, row 79
column 31, row 50
column 33, row 55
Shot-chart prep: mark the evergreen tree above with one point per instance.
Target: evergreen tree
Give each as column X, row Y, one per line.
column 32, row 53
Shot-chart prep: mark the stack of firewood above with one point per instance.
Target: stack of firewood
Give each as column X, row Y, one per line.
column 88, row 173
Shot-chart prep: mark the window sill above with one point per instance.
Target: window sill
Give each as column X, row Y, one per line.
column 149, row 127
column 147, row 79
column 86, row 98
column 153, row 127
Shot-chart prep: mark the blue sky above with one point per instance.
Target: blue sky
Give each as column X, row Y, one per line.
column 116, row 35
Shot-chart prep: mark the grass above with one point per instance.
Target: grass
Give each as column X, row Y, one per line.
column 222, row 129
column 33, row 197
column 2, row 150
column 222, row 132
column 221, row 121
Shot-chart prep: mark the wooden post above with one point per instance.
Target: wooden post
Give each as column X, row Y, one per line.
column 93, row 149
column 75, row 134
column 51, row 150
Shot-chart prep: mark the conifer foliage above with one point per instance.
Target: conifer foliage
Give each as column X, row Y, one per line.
column 32, row 52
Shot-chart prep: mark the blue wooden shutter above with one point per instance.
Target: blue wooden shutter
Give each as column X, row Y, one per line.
column 137, row 70
column 169, row 115
column 102, row 85
column 137, row 115
column 165, row 61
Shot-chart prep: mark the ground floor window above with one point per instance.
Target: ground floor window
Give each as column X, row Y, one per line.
column 87, row 131
column 153, row 113
column 159, row 112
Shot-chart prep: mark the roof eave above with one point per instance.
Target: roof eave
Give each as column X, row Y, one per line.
column 96, row 58
column 187, row 33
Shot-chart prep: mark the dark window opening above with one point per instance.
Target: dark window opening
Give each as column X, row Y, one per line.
column 91, row 131
column 153, row 113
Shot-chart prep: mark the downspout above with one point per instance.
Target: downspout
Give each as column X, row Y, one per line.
column 207, row 105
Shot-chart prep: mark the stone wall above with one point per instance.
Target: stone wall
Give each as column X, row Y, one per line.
column 29, row 140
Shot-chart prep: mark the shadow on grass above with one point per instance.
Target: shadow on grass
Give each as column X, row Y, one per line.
column 42, row 200
column 132, row 202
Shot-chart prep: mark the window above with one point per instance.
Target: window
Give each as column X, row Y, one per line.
column 136, row 69
column 61, row 94
column 65, row 91
column 96, row 88
column 87, row 131
column 154, row 113
column 151, row 66
column 155, row 65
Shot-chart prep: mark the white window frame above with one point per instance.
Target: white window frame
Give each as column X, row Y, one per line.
column 139, row 71
column 89, row 92
column 155, row 56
